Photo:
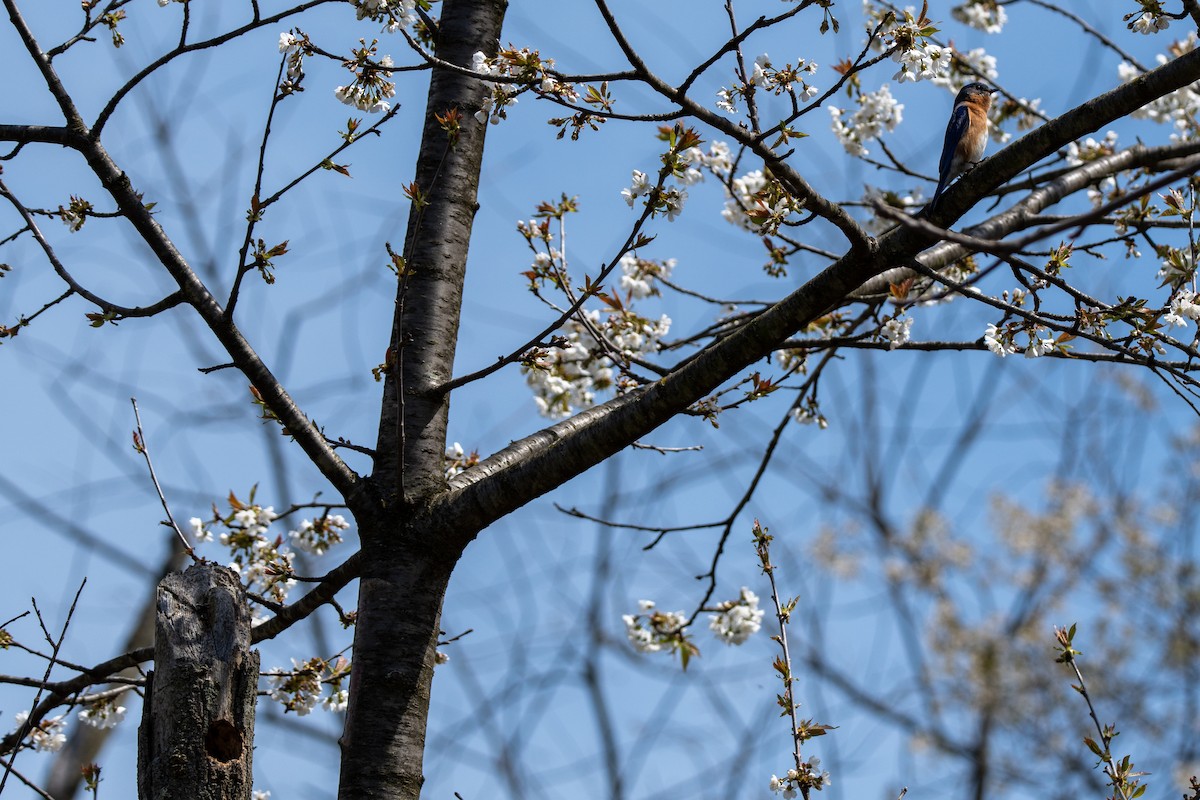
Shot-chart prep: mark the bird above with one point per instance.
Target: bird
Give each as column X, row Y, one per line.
column 966, row 134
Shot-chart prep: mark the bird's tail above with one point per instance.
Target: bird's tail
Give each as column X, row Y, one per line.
column 937, row 193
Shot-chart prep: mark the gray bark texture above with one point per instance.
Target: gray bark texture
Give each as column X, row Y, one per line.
column 197, row 732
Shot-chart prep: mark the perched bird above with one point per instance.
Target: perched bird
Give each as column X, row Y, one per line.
column 966, row 134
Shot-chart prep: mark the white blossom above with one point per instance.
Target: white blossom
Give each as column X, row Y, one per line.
column 726, row 100
column 1039, row 347
column 652, row 631
column 1091, row 149
column 926, row 62
column 674, row 200
column 639, row 275
column 103, row 714
column 878, row 111
column 568, row 377
column 337, row 700
column 319, row 534
column 1180, row 107
column 47, row 736
column 995, row 342
column 1149, row 23
column 639, row 186
column 896, row 332
column 737, row 620
column 298, row 689
column 1183, row 308
column 982, row 15
column 199, row 532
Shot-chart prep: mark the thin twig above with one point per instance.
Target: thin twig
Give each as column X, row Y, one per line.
column 32, row 720
column 8, row 767
column 139, row 444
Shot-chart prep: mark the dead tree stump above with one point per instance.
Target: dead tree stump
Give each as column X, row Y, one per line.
column 197, row 732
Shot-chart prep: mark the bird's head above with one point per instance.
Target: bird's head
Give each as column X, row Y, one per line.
column 977, row 92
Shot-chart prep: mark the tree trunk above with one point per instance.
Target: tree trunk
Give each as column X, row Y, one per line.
column 409, row 460
column 407, row 567
column 197, row 732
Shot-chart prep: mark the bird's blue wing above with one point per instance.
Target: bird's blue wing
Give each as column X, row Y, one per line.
column 956, row 129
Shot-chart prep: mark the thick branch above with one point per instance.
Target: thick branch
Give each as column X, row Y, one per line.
column 1025, row 213
column 538, row 463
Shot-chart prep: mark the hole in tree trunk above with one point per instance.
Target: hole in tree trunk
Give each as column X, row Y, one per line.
column 223, row 741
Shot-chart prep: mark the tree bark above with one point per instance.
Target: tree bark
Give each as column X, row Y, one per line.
column 197, row 734
column 407, row 559
column 409, row 460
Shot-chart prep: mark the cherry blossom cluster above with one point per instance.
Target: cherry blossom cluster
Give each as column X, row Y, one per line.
column 47, row 736
column 753, row 202
column 737, row 620
column 317, row 535
column 667, row 200
column 458, row 460
column 799, row 781
column 788, row 79
column 536, row 72
column 807, row 411
column 682, row 163
column 908, row 37
column 392, row 14
column 896, row 331
column 757, row 203
column 982, row 15
column 258, row 556
column 301, row 688
column 371, row 85
column 1151, row 20
column 76, row 213
column 1002, row 340
column 1181, row 106
column 653, row 631
column 877, row 112
column 1183, row 307
column 566, row 377
column 102, row 713
column 791, row 361
column 922, row 63
column 586, row 354
column 1178, row 266
column 640, row 276
column 1091, row 149
column 295, row 44
column 529, row 68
